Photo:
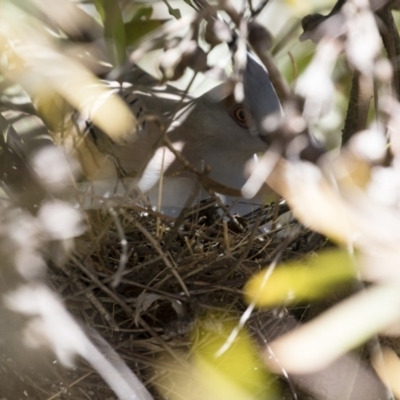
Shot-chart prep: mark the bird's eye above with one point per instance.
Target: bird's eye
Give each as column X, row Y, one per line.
column 242, row 116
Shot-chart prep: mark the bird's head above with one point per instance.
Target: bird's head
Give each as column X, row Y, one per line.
column 217, row 118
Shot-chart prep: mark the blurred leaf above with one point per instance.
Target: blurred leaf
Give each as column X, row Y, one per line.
column 240, row 363
column 175, row 12
column 338, row 330
column 387, row 365
column 114, row 30
column 136, row 29
column 68, row 17
column 99, row 4
column 143, row 12
column 46, row 67
column 28, row 6
column 51, row 107
column 4, row 126
column 301, row 280
column 303, row 184
column 236, row 375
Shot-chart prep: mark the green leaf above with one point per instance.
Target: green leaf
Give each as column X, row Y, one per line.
column 342, row 328
column 114, row 30
column 99, row 4
column 136, row 29
column 301, row 280
column 240, row 364
column 143, row 12
column 237, row 374
column 175, row 12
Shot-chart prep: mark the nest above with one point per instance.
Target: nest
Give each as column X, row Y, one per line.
column 143, row 281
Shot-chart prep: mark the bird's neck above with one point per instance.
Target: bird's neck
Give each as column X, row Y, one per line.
column 228, row 166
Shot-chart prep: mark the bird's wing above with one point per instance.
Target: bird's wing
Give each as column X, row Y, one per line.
column 152, row 104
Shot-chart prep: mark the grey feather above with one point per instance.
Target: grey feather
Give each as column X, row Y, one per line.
column 203, row 129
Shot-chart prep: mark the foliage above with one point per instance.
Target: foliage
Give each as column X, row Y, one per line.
column 343, row 88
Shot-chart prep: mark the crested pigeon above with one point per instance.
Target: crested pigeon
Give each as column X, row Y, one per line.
column 210, row 132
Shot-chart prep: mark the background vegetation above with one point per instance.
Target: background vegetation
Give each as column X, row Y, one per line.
column 124, row 302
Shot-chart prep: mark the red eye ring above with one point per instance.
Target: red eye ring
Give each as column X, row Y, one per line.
column 242, row 116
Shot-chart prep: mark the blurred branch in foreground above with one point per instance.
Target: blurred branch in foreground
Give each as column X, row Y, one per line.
column 169, row 130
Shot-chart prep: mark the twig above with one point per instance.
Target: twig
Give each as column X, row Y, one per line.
column 357, row 110
column 391, row 41
column 124, row 245
column 91, row 297
column 125, row 307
